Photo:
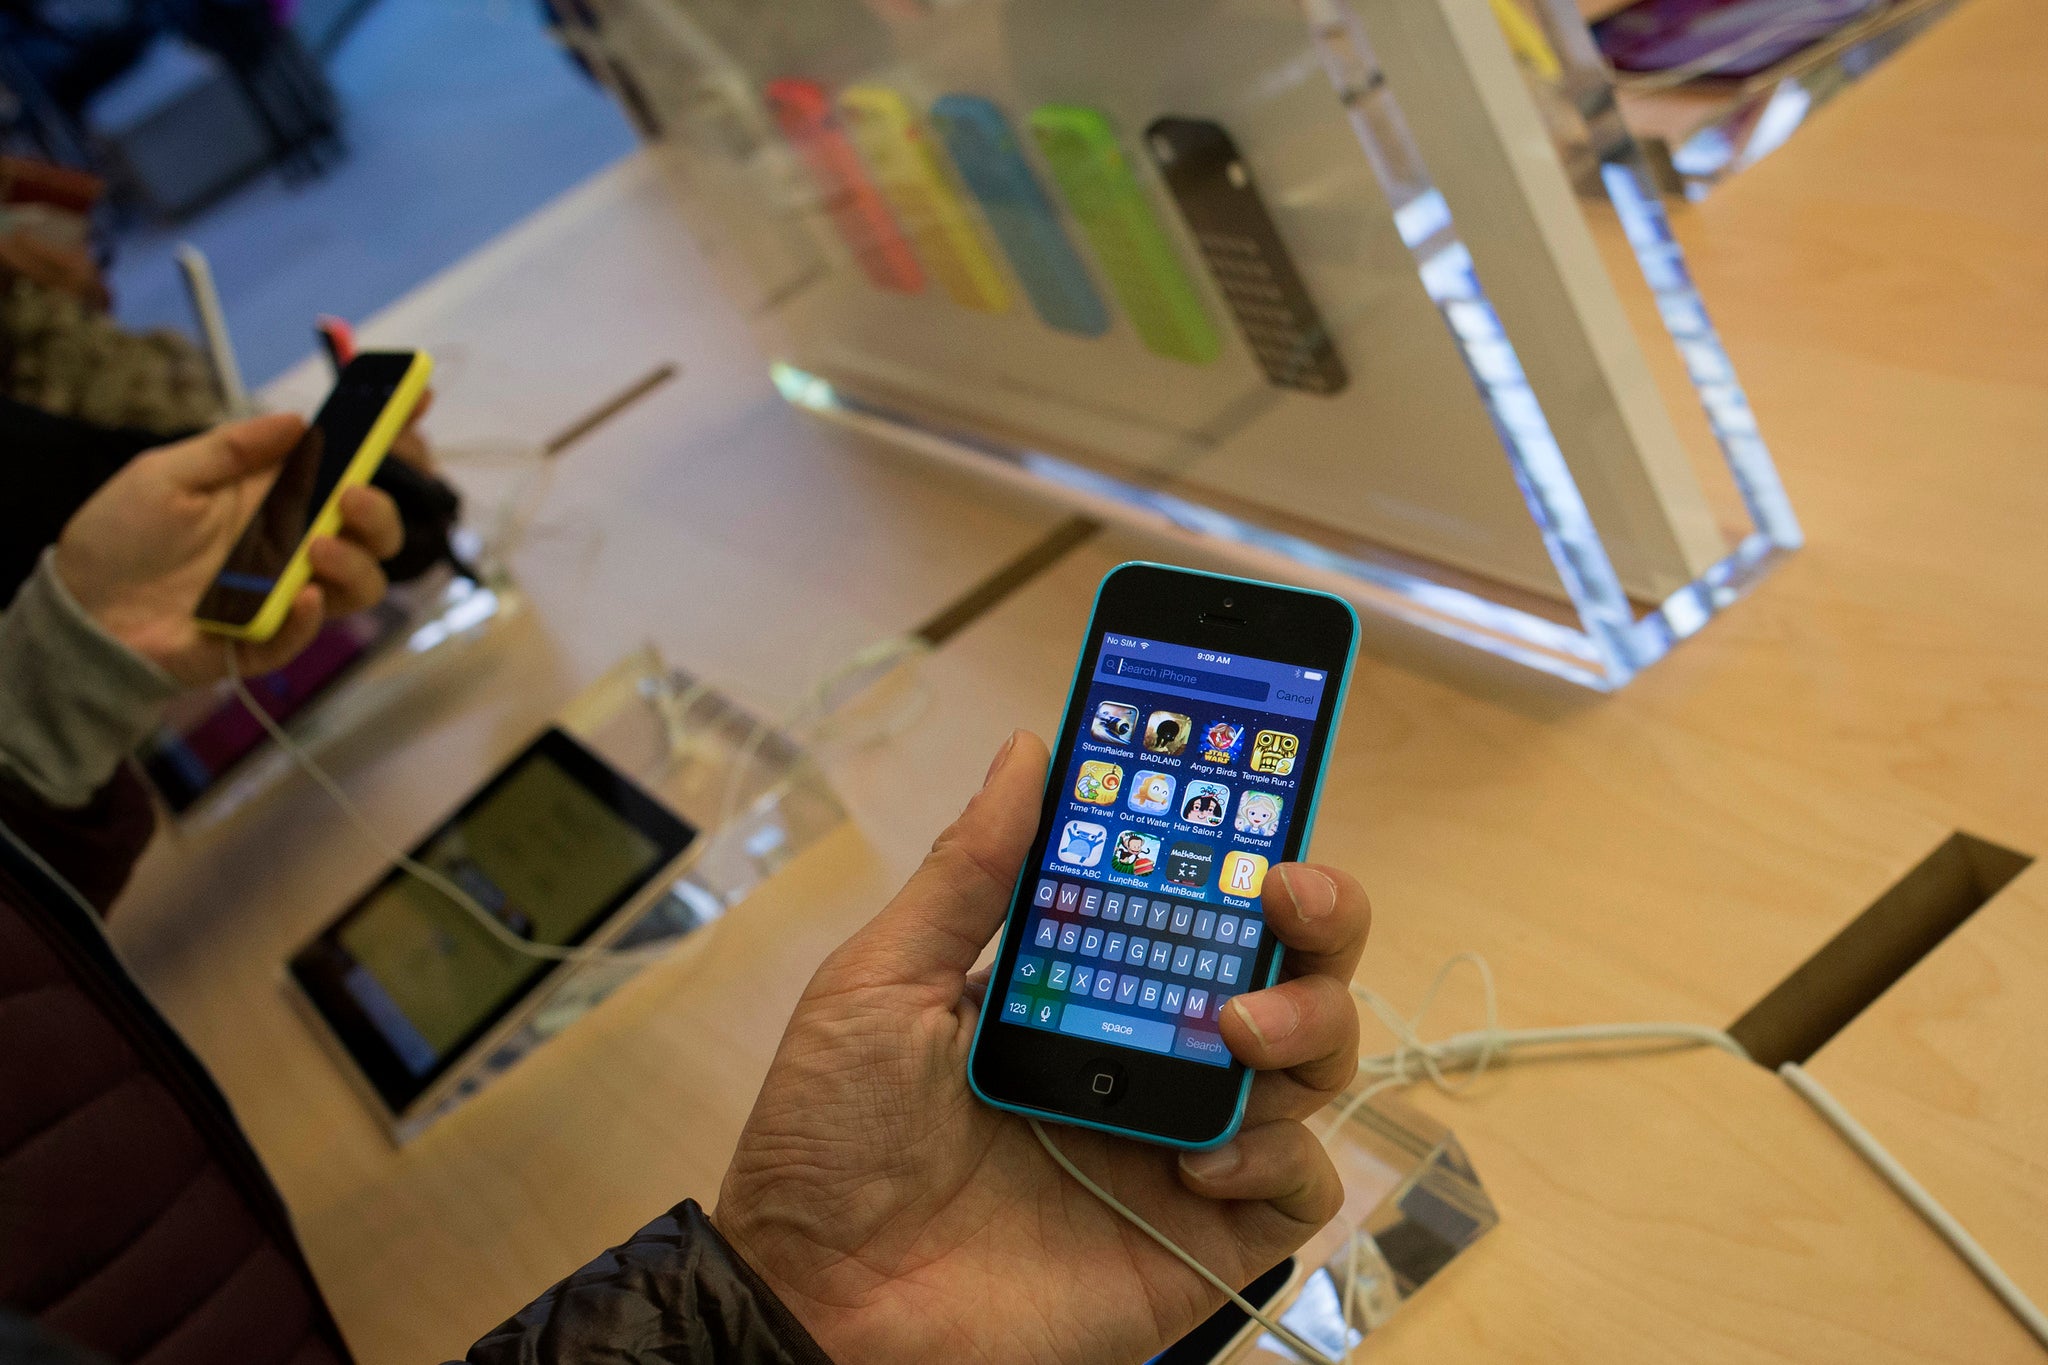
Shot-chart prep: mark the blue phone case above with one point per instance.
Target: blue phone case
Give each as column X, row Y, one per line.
column 1308, row 829
column 985, row 151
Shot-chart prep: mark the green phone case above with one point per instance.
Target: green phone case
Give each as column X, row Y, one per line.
column 1130, row 243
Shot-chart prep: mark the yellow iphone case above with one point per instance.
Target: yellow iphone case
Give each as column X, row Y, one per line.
column 913, row 178
column 362, row 467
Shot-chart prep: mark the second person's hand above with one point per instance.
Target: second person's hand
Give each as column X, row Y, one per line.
column 143, row 550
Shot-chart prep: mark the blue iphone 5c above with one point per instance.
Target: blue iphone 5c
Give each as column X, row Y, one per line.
column 1187, row 766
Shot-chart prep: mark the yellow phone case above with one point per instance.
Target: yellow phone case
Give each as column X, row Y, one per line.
column 362, row 467
column 913, row 178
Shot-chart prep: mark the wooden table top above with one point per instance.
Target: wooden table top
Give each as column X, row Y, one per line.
column 1671, row 852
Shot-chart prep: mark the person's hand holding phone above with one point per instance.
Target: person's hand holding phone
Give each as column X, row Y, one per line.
column 143, row 550
column 901, row 1219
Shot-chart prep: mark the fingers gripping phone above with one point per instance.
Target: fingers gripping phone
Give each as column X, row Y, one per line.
column 1188, row 764
column 370, row 405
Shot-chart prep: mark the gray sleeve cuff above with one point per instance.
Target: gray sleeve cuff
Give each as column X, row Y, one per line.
column 74, row 701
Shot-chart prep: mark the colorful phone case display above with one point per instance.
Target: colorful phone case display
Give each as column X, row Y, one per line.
column 913, row 178
column 991, row 162
column 1143, row 267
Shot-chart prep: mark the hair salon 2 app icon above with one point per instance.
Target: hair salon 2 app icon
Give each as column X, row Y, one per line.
column 1114, row 722
column 1205, row 803
column 1099, row 784
column 1166, row 732
column 1082, row 842
column 1222, row 742
column 1151, row 792
column 1136, row 854
column 1273, row 752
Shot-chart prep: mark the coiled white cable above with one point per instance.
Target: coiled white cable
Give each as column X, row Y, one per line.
column 1415, row 1059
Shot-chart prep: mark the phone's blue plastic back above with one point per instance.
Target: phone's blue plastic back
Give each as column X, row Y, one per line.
column 1308, row 827
column 991, row 161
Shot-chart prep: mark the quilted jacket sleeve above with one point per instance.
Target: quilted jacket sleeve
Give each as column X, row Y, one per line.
column 676, row 1294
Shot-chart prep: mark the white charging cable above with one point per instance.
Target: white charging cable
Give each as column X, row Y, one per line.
column 1415, row 1059
column 811, row 713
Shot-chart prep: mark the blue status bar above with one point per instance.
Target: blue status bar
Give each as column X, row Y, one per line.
column 1210, row 675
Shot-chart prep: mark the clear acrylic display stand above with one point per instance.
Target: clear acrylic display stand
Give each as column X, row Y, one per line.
column 1699, row 132
column 752, row 792
column 420, row 634
column 1412, row 1205
column 959, row 223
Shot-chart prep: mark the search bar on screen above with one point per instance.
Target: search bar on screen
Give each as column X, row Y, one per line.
column 1191, row 679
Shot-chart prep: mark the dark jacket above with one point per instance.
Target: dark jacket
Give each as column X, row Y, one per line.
column 137, row 1223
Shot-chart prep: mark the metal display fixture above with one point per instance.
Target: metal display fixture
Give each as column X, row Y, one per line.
column 1446, row 412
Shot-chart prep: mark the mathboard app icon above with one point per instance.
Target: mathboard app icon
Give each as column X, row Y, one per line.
column 1243, row 873
column 1082, row 842
column 1188, row 863
column 1135, row 854
column 1114, row 723
column 1258, row 814
column 1166, row 732
column 1205, row 803
column 1273, row 752
column 1151, row 792
column 1222, row 742
column 1099, row 784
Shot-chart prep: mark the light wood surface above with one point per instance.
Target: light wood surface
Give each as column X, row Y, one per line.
column 1948, row 1071
column 1671, row 852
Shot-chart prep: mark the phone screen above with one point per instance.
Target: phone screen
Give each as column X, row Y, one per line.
column 305, row 481
column 1178, row 795
column 552, row 847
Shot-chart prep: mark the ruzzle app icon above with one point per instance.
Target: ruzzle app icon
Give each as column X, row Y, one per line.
column 1243, row 874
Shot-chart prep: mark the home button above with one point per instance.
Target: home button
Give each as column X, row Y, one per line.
column 1102, row 1080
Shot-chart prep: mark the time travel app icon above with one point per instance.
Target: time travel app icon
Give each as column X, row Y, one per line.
column 1136, row 854
column 1082, row 842
column 1166, row 732
column 1273, row 752
column 1152, row 792
column 1099, row 784
column 1188, row 863
column 1114, row 722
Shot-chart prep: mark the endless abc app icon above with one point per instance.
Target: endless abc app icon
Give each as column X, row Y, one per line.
column 1273, row 752
column 1258, row 814
column 1188, row 863
column 1099, row 784
column 1151, row 792
column 1166, row 732
column 1082, row 842
column 1114, row 722
column 1221, row 742
column 1136, row 854
column 1205, row 803
column 1243, row 873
